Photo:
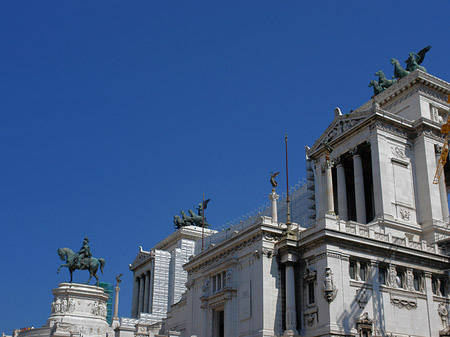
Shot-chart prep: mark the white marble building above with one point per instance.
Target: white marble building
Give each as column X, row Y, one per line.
column 371, row 260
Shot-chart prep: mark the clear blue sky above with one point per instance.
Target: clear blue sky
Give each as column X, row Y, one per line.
column 117, row 115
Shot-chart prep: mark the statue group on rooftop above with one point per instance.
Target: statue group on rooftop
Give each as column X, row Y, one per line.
column 192, row 219
column 412, row 63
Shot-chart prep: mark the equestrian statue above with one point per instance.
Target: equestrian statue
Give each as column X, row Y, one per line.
column 81, row 260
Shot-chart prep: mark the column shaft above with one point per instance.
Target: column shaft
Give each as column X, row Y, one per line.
column 141, row 295
column 291, row 315
column 342, row 192
column 329, row 187
column 116, row 302
column 135, row 301
column 318, row 191
column 146, row 292
column 273, row 197
column 360, row 200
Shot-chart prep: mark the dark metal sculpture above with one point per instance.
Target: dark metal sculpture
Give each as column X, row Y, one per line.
column 272, row 179
column 383, row 81
column 192, row 219
column 412, row 63
column 376, row 87
column 81, row 260
column 414, row 60
column 399, row 72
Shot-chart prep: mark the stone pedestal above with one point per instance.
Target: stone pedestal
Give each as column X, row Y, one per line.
column 76, row 310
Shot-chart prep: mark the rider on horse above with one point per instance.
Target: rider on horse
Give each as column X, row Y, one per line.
column 84, row 252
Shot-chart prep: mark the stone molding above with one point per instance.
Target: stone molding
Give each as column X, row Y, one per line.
column 192, row 267
column 403, row 302
column 141, row 259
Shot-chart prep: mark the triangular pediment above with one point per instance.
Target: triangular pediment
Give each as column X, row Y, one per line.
column 341, row 125
column 142, row 257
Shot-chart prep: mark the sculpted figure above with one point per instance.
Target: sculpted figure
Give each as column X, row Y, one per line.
column 414, row 60
column 383, row 81
column 377, row 88
column 178, row 222
column 83, row 253
column 187, row 220
column 329, row 287
column 399, row 72
column 272, row 179
column 443, row 313
column 81, row 260
column 196, row 219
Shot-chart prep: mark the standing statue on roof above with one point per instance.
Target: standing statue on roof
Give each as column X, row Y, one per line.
column 272, row 179
column 414, row 60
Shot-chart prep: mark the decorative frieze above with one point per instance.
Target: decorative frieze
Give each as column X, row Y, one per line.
column 389, row 128
column 98, row 309
column 62, row 305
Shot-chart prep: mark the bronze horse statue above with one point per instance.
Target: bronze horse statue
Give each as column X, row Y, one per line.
column 399, row 72
column 377, row 88
column 383, row 81
column 72, row 263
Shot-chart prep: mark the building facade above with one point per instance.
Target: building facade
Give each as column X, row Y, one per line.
column 370, row 260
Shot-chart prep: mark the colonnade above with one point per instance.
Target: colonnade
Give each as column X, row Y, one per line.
column 328, row 197
column 142, row 294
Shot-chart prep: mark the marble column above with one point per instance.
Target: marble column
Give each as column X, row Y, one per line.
column 273, row 197
column 342, row 191
column 291, row 313
column 150, row 298
column 135, row 300
column 141, row 294
column 329, row 187
column 442, row 187
column 146, row 292
column 115, row 319
column 318, row 189
column 360, row 200
column 430, row 301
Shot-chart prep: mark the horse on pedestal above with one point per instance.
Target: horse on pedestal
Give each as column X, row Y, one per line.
column 72, row 263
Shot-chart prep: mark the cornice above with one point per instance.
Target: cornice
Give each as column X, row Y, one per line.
column 230, row 246
column 350, row 241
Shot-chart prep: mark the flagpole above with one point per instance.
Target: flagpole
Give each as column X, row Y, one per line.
column 203, row 219
column 288, row 216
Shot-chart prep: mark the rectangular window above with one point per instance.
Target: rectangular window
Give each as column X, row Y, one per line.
column 362, row 271
column 416, row 282
column 219, row 282
column 382, row 272
column 311, row 295
column 434, row 286
column 400, row 279
column 352, row 270
column 224, row 277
